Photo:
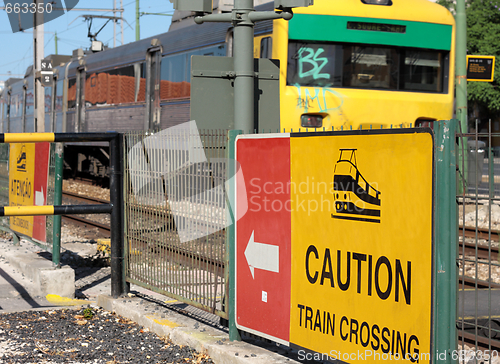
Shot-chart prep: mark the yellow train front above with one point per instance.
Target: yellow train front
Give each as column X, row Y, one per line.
column 361, row 64
column 355, row 198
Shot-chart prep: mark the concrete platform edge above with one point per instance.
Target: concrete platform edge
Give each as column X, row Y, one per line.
column 183, row 330
column 46, row 279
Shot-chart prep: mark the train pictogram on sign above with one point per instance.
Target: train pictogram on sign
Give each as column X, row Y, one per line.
column 355, row 198
column 21, row 160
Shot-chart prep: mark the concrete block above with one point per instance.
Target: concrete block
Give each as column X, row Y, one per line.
column 57, row 281
column 45, row 277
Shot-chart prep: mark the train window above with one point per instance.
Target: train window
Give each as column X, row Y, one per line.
column 173, row 68
column 365, row 66
column 370, row 67
column 140, row 82
column 72, row 93
column 59, row 95
column 422, row 71
column 30, row 102
column 116, row 86
column 314, row 64
column 15, row 106
column 266, row 47
column 176, row 71
column 48, row 99
column 4, row 107
column 174, row 77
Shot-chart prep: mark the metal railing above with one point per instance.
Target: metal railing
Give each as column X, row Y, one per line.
column 115, row 208
column 174, row 201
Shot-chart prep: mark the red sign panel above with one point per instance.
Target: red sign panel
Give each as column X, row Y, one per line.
column 263, row 234
column 42, row 152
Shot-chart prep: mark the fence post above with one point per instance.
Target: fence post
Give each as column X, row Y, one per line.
column 234, row 334
column 446, row 240
column 56, row 227
column 118, row 283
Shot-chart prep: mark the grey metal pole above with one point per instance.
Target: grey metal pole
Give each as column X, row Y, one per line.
column 114, row 24
column 56, row 224
column 243, row 66
column 244, row 18
column 38, row 52
column 118, row 284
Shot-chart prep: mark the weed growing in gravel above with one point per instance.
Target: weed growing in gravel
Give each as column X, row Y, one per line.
column 88, row 313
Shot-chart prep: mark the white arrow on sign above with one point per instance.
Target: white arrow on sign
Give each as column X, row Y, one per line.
column 262, row 256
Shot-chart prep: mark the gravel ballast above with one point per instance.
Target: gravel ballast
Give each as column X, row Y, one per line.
column 85, row 335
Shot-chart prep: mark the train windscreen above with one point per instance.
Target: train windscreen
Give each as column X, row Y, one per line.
column 365, row 66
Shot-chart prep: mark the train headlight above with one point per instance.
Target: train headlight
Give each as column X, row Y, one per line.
column 311, row 121
column 377, row 2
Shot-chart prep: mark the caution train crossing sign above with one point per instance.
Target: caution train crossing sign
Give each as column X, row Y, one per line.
column 334, row 254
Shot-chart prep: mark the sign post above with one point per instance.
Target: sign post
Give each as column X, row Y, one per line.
column 335, row 254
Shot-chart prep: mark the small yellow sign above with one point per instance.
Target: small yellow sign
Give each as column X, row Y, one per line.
column 21, row 184
column 480, row 68
column 362, row 248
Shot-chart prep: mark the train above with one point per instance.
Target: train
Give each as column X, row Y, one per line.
column 344, row 65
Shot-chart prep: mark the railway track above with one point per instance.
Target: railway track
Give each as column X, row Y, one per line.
column 483, row 342
column 483, row 251
column 183, row 256
column 103, row 229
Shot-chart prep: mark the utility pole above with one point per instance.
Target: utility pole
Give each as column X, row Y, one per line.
column 461, row 65
column 38, row 54
column 137, row 21
column 461, row 87
column 121, row 19
column 243, row 17
column 114, row 24
column 55, row 40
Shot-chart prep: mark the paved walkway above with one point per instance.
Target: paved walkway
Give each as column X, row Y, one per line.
column 183, row 324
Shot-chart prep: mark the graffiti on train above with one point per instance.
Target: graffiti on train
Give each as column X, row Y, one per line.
column 311, row 57
column 319, row 99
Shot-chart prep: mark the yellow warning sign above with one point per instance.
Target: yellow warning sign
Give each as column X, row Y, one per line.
column 362, row 246
column 21, row 184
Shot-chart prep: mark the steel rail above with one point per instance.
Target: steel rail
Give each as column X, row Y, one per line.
column 483, row 342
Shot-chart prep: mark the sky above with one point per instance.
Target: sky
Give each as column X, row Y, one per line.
column 16, row 49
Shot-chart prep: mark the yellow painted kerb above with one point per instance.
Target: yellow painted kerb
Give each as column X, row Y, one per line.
column 164, row 322
column 28, row 137
column 65, row 301
column 28, row 210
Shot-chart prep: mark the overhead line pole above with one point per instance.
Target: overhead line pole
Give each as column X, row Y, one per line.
column 137, row 21
column 114, row 24
column 461, row 80
column 121, row 20
column 38, row 54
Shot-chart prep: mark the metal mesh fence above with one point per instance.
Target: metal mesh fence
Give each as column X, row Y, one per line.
column 174, row 203
column 478, row 255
